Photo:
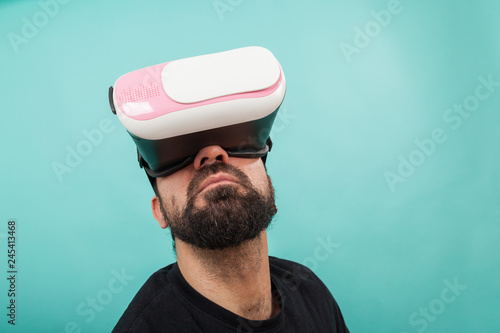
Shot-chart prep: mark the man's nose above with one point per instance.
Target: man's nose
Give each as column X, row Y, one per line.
column 209, row 155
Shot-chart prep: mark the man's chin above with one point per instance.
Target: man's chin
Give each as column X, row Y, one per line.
column 219, row 194
column 224, row 216
column 222, row 248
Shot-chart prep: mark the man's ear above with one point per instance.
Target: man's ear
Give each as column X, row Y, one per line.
column 158, row 215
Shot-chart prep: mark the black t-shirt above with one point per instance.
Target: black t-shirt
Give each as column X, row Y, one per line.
column 167, row 303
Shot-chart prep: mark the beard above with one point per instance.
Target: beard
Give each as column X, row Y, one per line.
column 231, row 215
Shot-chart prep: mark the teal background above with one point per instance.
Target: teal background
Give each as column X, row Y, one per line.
column 347, row 121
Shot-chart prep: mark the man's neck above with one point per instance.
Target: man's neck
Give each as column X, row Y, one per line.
column 238, row 279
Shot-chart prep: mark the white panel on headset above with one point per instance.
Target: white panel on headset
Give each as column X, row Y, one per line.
column 209, row 76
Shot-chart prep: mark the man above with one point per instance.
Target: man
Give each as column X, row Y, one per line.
column 218, row 207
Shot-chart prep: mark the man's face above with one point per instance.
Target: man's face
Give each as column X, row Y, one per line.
column 217, row 202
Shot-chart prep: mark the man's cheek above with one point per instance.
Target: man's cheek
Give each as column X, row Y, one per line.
column 266, row 187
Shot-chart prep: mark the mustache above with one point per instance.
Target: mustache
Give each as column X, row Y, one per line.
column 212, row 169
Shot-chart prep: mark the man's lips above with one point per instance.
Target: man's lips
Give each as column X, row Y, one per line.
column 216, row 179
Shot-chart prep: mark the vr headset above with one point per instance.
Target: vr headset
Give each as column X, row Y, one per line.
column 174, row 109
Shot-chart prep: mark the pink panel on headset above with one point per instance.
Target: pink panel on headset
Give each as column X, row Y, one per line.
column 140, row 94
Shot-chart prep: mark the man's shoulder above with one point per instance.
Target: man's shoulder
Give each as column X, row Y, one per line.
column 156, row 293
column 300, row 283
column 303, row 289
column 157, row 284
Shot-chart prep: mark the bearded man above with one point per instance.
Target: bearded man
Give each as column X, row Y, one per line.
column 218, row 204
